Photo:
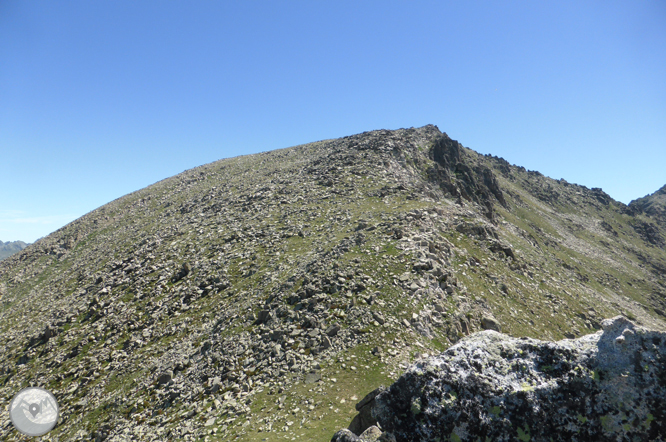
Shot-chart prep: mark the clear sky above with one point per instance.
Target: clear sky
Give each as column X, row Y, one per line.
column 102, row 98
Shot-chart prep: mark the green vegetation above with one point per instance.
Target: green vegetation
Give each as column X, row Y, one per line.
column 252, row 229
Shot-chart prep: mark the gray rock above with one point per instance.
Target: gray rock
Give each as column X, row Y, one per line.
column 501, row 247
column 478, row 230
column 372, row 434
column 345, row 436
column 490, row 323
column 49, row 332
column 263, row 316
column 378, row 317
column 607, row 386
column 312, row 377
column 165, row 377
column 332, row 330
column 277, row 335
column 386, row 437
column 183, row 272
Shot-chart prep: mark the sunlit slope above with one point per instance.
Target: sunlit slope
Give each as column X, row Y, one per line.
column 253, row 298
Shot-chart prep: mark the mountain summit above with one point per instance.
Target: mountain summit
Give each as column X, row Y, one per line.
column 255, row 297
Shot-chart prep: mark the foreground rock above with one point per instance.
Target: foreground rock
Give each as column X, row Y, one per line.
column 607, row 386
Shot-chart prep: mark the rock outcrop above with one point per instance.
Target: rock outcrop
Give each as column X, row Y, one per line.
column 653, row 205
column 457, row 178
column 607, row 386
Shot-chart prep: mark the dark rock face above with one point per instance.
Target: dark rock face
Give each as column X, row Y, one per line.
column 459, row 179
column 653, row 205
column 649, row 233
column 608, row 386
column 364, row 419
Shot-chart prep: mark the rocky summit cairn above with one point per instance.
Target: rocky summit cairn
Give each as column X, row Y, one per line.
column 606, row 386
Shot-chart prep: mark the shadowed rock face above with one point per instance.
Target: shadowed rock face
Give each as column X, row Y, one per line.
column 458, row 179
column 606, row 386
column 653, row 205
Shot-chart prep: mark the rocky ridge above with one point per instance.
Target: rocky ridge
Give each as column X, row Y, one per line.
column 653, row 205
column 248, row 299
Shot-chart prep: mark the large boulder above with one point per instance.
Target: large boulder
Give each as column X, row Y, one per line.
column 607, row 386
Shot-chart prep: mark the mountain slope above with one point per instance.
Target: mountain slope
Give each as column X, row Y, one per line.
column 254, row 297
column 10, row 247
column 653, row 205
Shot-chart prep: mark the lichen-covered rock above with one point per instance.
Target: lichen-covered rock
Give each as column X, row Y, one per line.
column 371, row 434
column 608, row 386
column 345, row 436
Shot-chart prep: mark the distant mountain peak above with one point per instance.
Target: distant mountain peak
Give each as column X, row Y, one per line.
column 10, row 247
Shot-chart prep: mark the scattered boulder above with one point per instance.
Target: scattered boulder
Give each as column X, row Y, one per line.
column 332, row 330
column 183, row 272
column 345, row 436
column 377, row 316
column 476, row 230
column 49, row 332
column 263, row 316
column 501, row 247
column 371, row 434
column 165, row 377
column 312, row 377
column 490, row 323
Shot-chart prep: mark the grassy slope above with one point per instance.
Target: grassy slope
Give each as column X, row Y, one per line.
column 569, row 275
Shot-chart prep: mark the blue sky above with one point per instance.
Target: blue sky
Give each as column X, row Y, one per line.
column 98, row 99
